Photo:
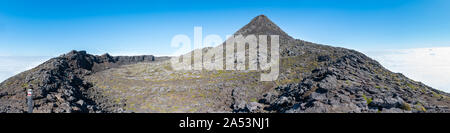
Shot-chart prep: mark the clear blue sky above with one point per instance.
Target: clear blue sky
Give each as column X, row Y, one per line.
column 54, row 27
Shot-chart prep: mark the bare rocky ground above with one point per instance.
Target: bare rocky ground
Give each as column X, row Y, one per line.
column 313, row 78
column 155, row 87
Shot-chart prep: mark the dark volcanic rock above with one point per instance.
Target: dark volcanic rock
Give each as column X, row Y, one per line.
column 352, row 83
column 240, row 105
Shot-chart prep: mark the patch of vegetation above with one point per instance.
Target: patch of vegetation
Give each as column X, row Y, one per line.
column 24, row 85
column 287, row 81
column 202, row 95
column 253, row 100
column 368, row 100
column 446, row 97
column 436, row 95
column 411, row 86
column 423, row 90
column 406, row 106
column 8, row 83
column 168, row 67
column 420, row 107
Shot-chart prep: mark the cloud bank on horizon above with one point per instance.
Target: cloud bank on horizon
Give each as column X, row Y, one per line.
column 430, row 66
column 12, row 65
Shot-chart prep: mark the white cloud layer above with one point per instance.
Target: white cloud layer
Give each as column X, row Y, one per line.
column 12, row 65
column 430, row 66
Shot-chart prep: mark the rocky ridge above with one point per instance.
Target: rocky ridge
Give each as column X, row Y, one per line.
column 58, row 84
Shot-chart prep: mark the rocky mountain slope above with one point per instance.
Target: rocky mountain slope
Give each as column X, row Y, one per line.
column 313, row 78
column 58, row 85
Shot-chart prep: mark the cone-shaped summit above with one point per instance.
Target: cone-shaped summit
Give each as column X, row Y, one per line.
column 262, row 25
